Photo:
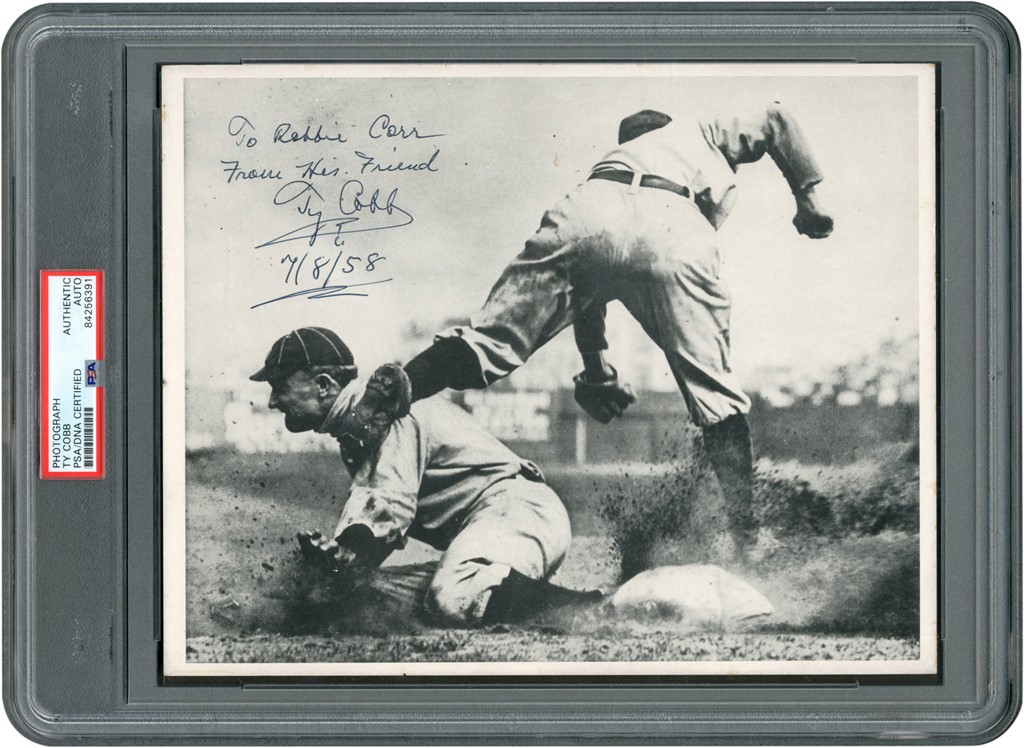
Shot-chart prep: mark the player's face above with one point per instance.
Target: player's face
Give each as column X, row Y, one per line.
column 298, row 397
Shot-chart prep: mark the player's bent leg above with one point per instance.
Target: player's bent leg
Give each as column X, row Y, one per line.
column 537, row 295
column 493, row 593
column 512, row 541
column 694, row 336
column 684, row 305
column 674, row 290
column 458, row 594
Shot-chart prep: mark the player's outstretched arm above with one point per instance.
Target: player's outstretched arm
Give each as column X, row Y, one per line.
column 775, row 131
column 791, row 151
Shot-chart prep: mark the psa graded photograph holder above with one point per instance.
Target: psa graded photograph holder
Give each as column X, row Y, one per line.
column 512, row 374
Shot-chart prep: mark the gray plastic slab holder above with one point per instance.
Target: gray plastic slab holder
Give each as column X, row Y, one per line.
column 81, row 574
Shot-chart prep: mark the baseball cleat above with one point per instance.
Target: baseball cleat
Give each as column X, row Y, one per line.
column 388, row 397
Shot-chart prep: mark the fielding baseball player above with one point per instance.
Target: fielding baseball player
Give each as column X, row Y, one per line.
column 640, row 230
column 439, row 478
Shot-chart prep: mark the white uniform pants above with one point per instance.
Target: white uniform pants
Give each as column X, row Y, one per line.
column 517, row 524
column 650, row 249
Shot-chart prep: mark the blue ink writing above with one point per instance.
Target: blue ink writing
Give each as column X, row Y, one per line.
column 241, row 129
column 323, row 266
column 317, row 169
column 285, row 134
column 382, row 128
column 351, row 199
column 359, row 214
column 325, row 292
column 236, row 173
column 372, row 165
column 304, row 195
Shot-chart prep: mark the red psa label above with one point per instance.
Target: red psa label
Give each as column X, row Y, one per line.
column 71, row 374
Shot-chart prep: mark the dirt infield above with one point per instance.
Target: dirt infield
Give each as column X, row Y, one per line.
column 838, row 595
column 499, row 644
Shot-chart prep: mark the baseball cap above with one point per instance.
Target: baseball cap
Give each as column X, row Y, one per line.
column 307, row 346
column 635, row 125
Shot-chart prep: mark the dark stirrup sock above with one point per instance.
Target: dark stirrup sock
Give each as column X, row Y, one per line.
column 518, row 597
column 448, row 362
column 729, row 449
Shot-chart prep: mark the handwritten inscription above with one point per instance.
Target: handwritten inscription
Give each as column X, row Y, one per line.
column 326, row 292
column 358, row 213
column 338, row 192
column 236, row 172
column 242, row 130
column 382, row 127
column 318, row 270
column 284, row 133
column 313, row 169
column 371, row 164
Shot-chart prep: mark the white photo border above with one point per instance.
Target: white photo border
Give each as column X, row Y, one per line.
column 173, row 240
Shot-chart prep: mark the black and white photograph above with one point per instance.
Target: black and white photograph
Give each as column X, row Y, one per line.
column 549, row 369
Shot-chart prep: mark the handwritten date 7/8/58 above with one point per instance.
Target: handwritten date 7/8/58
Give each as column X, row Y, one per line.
column 322, row 268
column 316, row 271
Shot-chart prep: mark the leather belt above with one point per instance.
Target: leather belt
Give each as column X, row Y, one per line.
column 647, row 180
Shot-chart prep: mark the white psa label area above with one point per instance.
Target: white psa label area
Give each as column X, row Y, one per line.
column 71, row 373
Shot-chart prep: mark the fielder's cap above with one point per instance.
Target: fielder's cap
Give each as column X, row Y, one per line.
column 637, row 124
column 307, row 346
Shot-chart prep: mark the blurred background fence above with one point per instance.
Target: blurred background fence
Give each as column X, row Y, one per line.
column 548, row 426
column 827, row 418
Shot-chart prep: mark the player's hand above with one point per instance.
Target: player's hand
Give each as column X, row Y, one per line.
column 811, row 218
column 603, row 400
column 323, row 553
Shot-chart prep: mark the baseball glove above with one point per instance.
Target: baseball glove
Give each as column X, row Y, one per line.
column 604, row 400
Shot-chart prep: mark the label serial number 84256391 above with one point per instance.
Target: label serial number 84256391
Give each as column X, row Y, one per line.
column 71, row 374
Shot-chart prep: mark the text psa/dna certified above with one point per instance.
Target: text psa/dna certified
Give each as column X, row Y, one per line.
column 71, row 374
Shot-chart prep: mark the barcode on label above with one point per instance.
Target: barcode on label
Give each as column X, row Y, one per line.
column 71, row 392
column 89, row 428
